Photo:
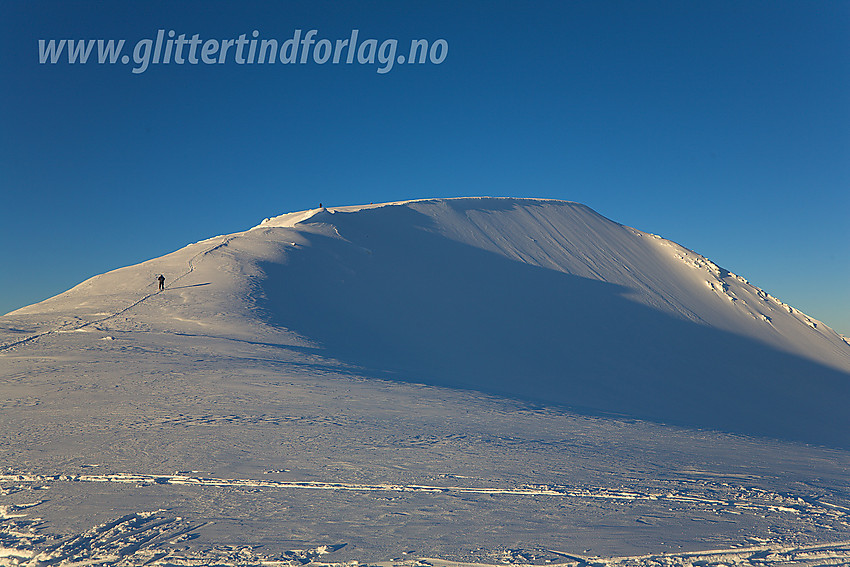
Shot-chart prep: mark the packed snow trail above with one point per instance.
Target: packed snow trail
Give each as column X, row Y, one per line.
column 757, row 499
column 76, row 327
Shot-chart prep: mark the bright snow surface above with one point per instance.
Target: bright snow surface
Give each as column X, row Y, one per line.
column 478, row 379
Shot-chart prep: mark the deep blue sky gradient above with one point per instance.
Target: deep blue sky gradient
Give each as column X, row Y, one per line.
column 724, row 126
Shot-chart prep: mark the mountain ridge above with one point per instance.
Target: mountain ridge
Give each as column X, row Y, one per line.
column 537, row 299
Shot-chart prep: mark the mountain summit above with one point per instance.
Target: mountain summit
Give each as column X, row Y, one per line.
column 541, row 300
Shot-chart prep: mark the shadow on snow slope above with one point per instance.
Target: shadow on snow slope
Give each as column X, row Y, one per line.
column 410, row 304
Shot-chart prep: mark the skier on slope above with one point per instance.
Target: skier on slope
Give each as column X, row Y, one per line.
column 161, row 280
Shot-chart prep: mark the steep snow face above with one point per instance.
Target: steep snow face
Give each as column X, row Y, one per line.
column 573, row 239
column 536, row 299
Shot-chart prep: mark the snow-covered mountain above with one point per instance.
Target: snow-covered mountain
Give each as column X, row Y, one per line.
column 539, row 300
column 438, row 382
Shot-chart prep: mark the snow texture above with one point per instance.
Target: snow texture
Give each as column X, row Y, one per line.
column 435, row 382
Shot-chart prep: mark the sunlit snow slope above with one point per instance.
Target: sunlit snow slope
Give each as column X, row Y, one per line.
column 535, row 299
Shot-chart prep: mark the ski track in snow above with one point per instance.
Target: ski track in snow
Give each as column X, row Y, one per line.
column 158, row 538
column 790, row 504
column 76, row 327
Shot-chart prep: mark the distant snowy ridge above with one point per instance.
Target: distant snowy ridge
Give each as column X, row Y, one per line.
column 532, row 298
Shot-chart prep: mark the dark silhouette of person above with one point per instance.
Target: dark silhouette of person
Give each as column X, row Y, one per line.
column 161, row 279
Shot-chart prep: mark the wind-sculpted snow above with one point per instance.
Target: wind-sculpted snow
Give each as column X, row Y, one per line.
column 550, row 301
column 426, row 383
column 159, row 538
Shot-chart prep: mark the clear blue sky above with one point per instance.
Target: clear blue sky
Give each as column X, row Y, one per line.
column 724, row 126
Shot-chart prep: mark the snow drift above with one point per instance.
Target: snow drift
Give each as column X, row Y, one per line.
column 540, row 300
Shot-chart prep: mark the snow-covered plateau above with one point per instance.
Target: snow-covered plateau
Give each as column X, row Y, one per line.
column 437, row 383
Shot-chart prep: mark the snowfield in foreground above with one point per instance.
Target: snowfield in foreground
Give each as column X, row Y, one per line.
column 436, row 382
